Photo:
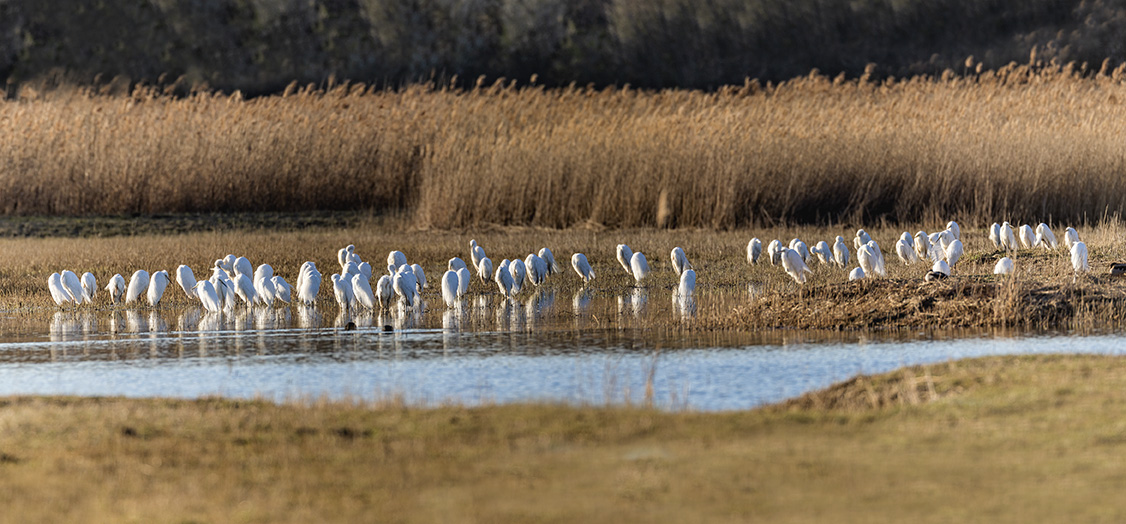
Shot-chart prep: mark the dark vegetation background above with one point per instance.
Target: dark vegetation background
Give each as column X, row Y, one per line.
column 260, row 46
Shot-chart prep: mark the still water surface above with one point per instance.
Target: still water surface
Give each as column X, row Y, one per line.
column 581, row 349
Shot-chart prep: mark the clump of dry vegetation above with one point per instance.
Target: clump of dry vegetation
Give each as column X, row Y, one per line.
column 951, row 440
column 1026, row 142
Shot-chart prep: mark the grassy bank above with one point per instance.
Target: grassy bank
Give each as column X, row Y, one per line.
column 1043, row 293
column 991, row 438
column 1021, row 143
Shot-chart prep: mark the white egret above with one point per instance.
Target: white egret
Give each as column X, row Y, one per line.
column 224, row 287
column 264, row 285
column 282, row 290
column 801, row 248
column 351, row 268
column 823, row 252
column 519, row 273
column 406, row 286
column 639, row 267
column 774, row 251
column 856, row 274
column 862, row 238
column 1070, row 237
column 186, row 279
column 687, row 283
column 342, row 290
column 89, row 287
column 906, row 252
column 228, row 265
column 679, row 260
column 308, row 284
column 1079, row 257
column 450, row 283
column 244, row 289
column 365, row 269
column 536, row 269
column 157, row 284
column 205, row 292
column 503, row 279
column 1003, row 267
column 1027, row 236
column 58, row 292
column 922, row 245
column 485, row 269
column 754, row 251
column 953, row 227
column 582, row 267
column 115, row 287
column 476, row 253
column 794, row 265
column 137, row 285
column 419, row 276
column 397, row 259
column 945, row 238
column 941, row 267
column 463, row 278
column 1008, row 238
column 73, row 285
column 361, row 289
column 344, row 255
column 625, row 254
column 866, row 259
column 242, row 266
column 548, row 257
column 995, row 234
column 878, row 258
column 455, row 264
column 1045, row 237
column 840, row 252
column 385, row 291
column 954, row 252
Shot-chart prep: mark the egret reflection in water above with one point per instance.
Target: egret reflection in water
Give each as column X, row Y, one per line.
column 684, row 304
column 580, row 303
column 634, row 303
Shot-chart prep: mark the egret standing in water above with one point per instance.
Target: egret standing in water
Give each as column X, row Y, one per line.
column 115, row 288
column 137, row 285
column 582, row 267
column 639, row 267
column 157, row 284
column 450, row 283
column 89, row 287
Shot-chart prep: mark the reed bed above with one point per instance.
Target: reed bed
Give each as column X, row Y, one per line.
column 1027, row 143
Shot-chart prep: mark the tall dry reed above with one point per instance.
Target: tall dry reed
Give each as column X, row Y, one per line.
column 1025, row 143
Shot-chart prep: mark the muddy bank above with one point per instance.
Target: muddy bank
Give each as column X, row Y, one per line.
column 963, row 302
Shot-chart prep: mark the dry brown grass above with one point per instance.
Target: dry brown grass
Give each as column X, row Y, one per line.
column 1022, row 143
column 991, row 438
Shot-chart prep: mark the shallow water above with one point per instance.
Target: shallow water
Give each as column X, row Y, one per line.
column 583, row 348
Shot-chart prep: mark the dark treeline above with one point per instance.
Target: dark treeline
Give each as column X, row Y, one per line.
column 261, row 45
